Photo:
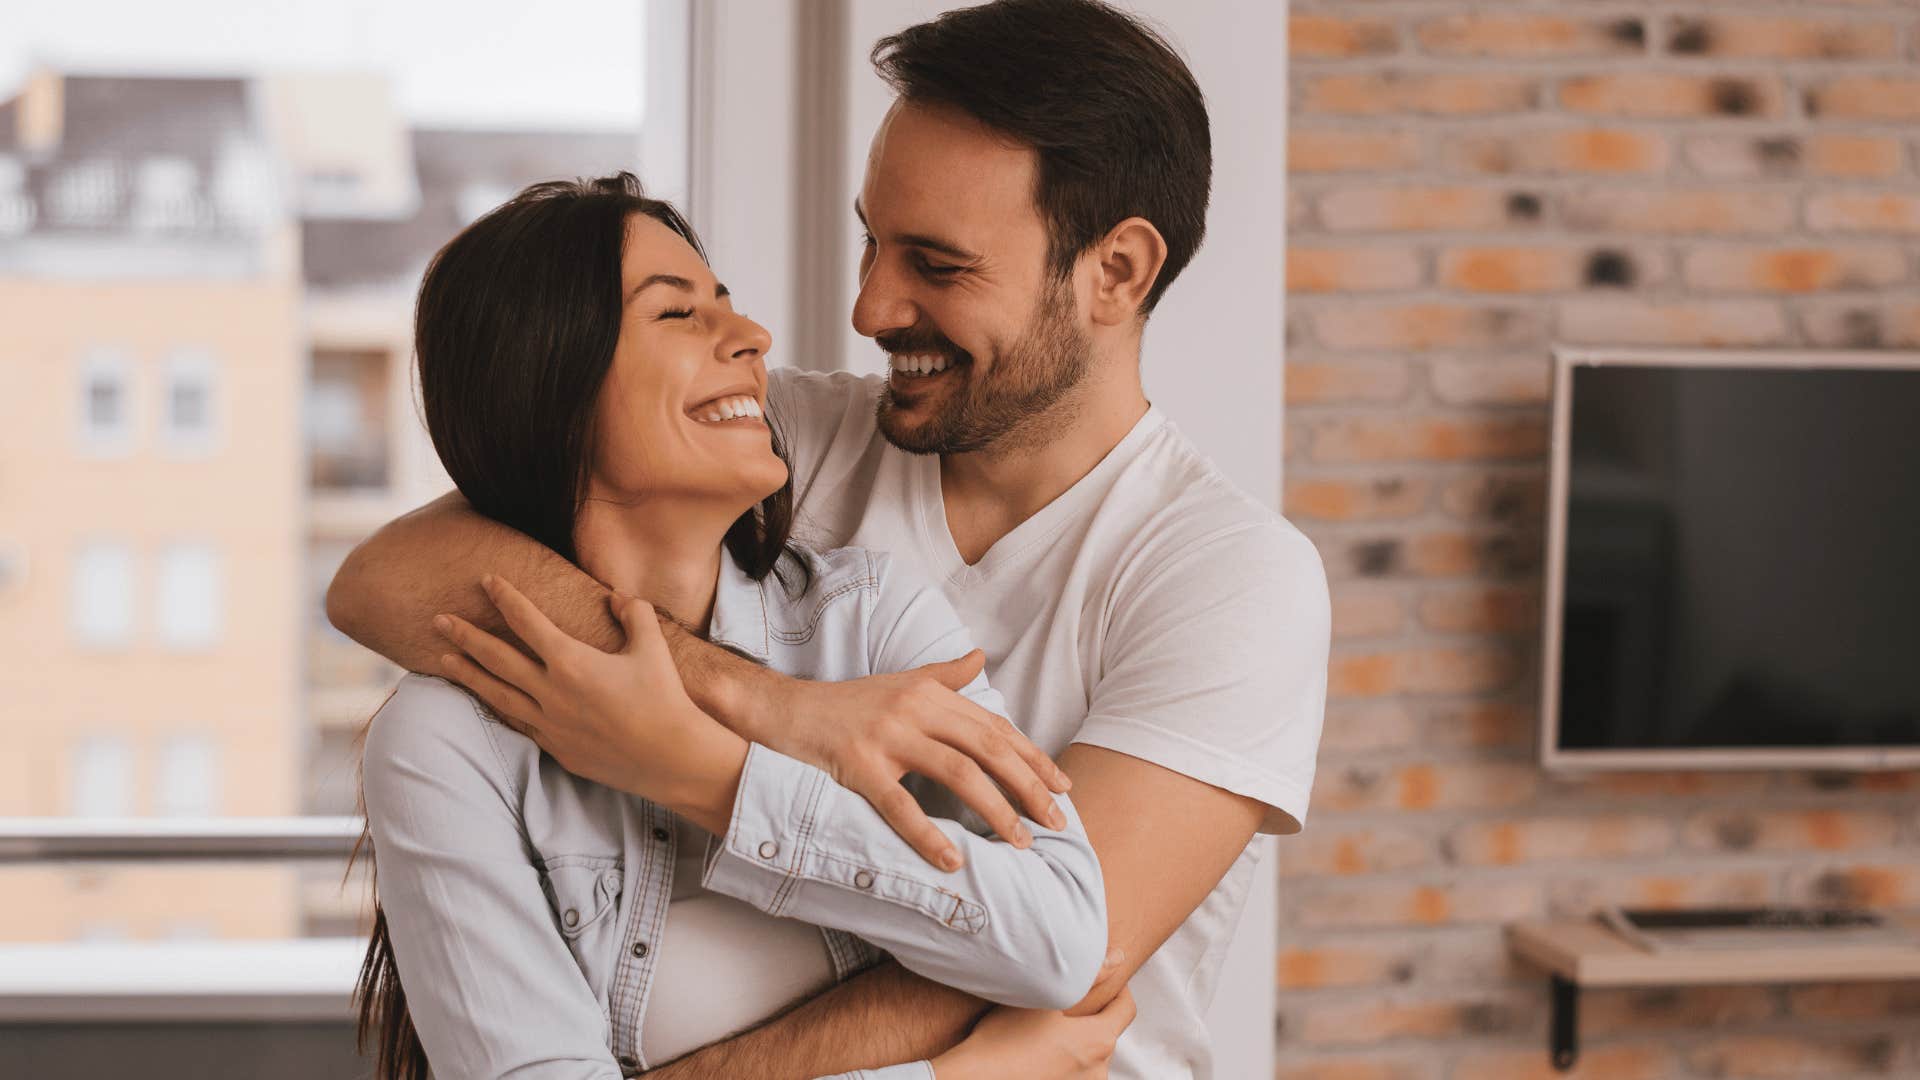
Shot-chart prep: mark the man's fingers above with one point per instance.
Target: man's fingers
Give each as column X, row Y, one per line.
column 1000, row 757
column 958, row 672
column 515, row 709
column 903, row 815
column 528, row 621
column 959, row 774
column 498, row 657
column 1043, row 766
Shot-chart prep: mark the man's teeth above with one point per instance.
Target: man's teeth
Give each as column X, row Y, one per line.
column 918, row 363
column 728, row 408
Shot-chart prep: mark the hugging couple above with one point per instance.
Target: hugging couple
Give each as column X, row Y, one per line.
column 703, row 775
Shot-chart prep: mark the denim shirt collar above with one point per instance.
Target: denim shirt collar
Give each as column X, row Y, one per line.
column 739, row 611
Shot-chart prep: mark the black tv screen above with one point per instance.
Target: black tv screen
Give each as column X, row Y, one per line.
column 1741, row 558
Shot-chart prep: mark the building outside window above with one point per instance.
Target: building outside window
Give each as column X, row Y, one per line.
column 187, row 778
column 103, row 595
column 190, row 423
column 102, row 778
column 106, row 403
column 189, row 597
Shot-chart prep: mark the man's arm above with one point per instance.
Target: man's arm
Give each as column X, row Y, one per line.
column 881, row 1017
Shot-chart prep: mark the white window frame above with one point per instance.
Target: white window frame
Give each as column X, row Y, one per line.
column 115, row 758
column 106, row 441
column 85, row 635
column 179, row 755
column 174, row 569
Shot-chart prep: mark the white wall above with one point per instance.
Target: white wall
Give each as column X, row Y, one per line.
column 1213, row 353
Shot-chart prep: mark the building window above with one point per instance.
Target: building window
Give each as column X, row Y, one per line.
column 103, row 596
column 106, row 404
column 102, row 781
column 347, row 420
column 187, row 783
column 191, row 420
column 190, row 596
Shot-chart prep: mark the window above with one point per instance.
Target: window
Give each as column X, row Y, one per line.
column 190, row 421
column 189, row 597
column 347, row 429
column 102, row 780
column 103, row 596
column 187, row 777
column 106, row 406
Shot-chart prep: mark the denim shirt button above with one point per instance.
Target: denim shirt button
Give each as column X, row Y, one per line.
column 660, row 834
column 863, row 880
column 572, row 917
column 768, row 849
column 630, row 1064
column 640, row 948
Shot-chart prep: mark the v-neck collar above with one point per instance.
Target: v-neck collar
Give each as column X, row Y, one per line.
column 937, row 537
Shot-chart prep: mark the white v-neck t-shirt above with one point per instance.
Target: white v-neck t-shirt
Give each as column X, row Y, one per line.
column 1152, row 608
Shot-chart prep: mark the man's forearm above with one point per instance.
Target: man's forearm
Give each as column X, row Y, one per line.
column 431, row 560
column 881, row 1017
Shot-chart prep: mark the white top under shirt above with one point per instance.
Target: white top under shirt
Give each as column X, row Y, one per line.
column 1152, row 609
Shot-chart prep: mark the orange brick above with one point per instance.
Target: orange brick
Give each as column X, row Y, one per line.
column 1657, row 785
column 1612, row 836
column 1352, row 1023
column 1482, row 609
column 1318, row 150
column 1345, row 381
column 1355, row 963
column 1503, row 554
column 1356, row 726
column 1579, row 896
column 1883, row 783
column 1696, row 1008
column 1854, row 1001
column 1396, row 437
column 1360, row 612
column 1866, row 98
column 1481, row 724
column 1782, row 38
column 1314, row 37
column 1413, row 209
column 1727, row 269
column 1356, row 1067
column 1488, row 34
column 1596, row 1063
column 1569, row 150
column 1490, row 382
column 1408, row 327
column 1468, row 785
column 1856, row 211
column 1351, row 269
column 1501, row 496
column 1512, row 269
column 1391, row 904
column 1863, row 325
column 1349, row 852
column 1331, row 499
column 1876, row 885
column 1642, row 322
column 1669, row 95
column 1678, row 210
column 1852, row 156
column 1761, row 1056
column 1421, row 94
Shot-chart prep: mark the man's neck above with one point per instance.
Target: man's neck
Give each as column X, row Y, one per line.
column 990, row 492
column 667, row 552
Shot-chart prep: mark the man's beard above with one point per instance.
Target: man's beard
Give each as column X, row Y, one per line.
column 1051, row 358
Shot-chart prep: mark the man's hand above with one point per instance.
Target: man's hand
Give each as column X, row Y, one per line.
column 868, row 733
column 1038, row 1044
column 623, row 719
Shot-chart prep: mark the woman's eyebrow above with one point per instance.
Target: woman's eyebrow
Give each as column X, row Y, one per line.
column 674, row 281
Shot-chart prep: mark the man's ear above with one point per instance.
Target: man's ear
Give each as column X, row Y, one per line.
column 1127, row 262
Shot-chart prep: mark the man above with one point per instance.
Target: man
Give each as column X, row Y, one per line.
column 1038, row 184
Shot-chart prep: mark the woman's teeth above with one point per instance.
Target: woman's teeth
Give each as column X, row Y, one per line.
column 918, row 363
column 727, row 408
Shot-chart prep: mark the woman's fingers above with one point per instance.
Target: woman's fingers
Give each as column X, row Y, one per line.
column 1036, row 758
column 498, row 657
column 959, row 774
column 515, row 709
column 526, row 620
column 903, row 815
column 1000, row 757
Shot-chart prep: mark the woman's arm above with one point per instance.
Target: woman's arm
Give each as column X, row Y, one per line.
column 491, row 986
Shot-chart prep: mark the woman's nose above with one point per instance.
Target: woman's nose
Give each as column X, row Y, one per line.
column 748, row 339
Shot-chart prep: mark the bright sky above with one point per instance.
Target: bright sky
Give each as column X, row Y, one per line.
column 458, row 63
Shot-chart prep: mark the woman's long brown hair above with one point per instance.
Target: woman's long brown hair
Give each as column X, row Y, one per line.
column 514, row 332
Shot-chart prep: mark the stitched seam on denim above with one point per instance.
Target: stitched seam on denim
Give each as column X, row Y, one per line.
column 931, row 908
column 795, row 637
column 662, row 900
column 487, row 724
column 802, row 835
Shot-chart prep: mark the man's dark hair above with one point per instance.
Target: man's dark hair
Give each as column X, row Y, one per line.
column 1114, row 115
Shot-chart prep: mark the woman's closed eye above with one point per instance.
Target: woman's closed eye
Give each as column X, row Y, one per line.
column 676, row 313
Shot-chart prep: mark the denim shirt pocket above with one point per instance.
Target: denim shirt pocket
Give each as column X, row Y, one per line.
column 585, row 893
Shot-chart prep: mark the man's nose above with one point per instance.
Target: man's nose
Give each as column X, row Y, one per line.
column 882, row 304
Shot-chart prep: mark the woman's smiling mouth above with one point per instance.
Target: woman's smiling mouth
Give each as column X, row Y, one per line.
column 729, row 408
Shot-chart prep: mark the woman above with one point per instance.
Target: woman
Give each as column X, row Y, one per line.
column 586, row 381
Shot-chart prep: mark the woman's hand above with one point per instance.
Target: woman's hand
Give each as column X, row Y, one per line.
column 868, row 733
column 622, row 719
column 1037, row 1044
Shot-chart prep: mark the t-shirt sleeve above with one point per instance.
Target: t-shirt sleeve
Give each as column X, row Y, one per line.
column 1215, row 666
column 814, row 412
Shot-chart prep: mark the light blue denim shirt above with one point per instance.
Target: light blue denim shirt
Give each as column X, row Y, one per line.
column 526, row 904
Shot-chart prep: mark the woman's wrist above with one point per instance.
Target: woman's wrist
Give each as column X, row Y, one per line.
column 705, row 790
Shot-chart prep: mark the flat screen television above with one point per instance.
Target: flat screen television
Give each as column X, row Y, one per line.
column 1733, row 561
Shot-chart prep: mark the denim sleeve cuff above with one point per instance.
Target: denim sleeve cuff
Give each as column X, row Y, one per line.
column 913, row 1070
column 761, row 858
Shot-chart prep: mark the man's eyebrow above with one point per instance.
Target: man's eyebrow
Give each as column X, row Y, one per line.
column 921, row 240
column 675, row 281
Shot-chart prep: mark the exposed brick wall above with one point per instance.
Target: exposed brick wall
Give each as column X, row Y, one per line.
column 1472, row 182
